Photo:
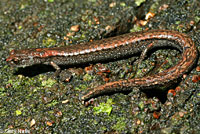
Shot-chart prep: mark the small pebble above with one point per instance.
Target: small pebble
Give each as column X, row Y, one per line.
column 75, row 28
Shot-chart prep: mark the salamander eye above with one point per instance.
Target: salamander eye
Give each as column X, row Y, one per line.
column 14, row 61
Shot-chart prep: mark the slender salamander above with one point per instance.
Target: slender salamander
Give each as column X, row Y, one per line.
column 111, row 49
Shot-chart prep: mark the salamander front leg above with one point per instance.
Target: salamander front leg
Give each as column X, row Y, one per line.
column 55, row 66
column 64, row 75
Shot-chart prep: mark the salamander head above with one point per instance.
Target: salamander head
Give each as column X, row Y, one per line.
column 22, row 58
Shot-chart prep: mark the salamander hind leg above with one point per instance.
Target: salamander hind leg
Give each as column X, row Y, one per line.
column 142, row 57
